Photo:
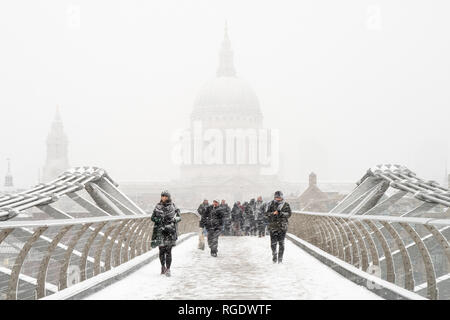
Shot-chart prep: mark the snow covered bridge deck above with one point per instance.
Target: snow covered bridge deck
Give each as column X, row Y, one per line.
column 242, row 270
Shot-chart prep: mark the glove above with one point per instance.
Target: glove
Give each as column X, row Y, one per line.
column 169, row 228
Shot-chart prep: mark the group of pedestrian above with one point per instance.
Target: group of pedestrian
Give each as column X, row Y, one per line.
column 251, row 218
column 212, row 222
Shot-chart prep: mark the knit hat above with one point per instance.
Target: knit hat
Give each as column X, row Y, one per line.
column 165, row 193
column 278, row 194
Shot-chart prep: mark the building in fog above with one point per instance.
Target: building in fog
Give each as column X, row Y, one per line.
column 57, row 160
column 314, row 199
column 8, row 185
column 227, row 105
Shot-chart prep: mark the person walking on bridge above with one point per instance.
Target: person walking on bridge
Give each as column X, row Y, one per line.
column 278, row 212
column 246, row 221
column 236, row 218
column 214, row 224
column 202, row 232
column 250, row 217
column 261, row 217
column 165, row 217
column 226, row 218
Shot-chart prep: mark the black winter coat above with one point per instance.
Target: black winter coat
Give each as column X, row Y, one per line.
column 227, row 214
column 261, row 211
column 165, row 217
column 202, row 212
column 236, row 214
column 250, row 213
column 214, row 217
column 278, row 222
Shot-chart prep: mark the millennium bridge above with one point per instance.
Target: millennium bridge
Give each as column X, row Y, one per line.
column 388, row 239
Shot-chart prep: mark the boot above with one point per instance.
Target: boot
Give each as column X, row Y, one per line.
column 274, row 257
column 163, row 269
column 167, row 272
column 280, row 258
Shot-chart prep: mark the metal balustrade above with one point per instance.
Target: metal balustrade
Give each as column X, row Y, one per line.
column 368, row 229
column 41, row 257
column 87, row 247
column 407, row 244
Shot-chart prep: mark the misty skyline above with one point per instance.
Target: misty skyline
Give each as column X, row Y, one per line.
column 349, row 84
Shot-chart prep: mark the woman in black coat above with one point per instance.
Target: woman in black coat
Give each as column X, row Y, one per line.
column 165, row 216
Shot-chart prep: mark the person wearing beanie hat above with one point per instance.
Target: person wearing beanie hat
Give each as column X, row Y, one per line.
column 214, row 217
column 277, row 214
column 165, row 217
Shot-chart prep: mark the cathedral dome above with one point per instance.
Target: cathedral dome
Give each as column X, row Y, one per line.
column 226, row 94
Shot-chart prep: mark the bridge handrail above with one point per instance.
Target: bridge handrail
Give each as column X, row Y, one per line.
column 41, row 257
column 65, row 222
column 47, row 249
column 371, row 242
column 414, row 220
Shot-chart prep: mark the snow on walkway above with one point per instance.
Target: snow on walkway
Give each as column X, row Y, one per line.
column 242, row 270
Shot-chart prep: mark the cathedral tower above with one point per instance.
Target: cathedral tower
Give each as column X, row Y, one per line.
column 57, row 160
column 9, row 183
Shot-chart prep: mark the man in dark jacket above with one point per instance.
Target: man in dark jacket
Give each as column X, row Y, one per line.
column 247, row 218
column 202, row 232
column 214, row 224
column 226, row 218
column 242, row 206
column 278, row 212
column 261, row 217
column 202, row 211
column 250, row 222
column 236, row 219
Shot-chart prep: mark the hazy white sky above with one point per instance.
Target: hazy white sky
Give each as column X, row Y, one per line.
column 350, row 84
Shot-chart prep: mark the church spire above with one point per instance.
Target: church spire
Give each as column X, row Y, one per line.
column 57, row 149
column 226, row 65
column 8, row 177
column 57, row 115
